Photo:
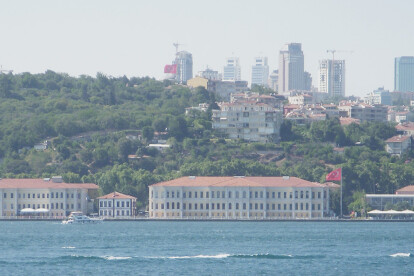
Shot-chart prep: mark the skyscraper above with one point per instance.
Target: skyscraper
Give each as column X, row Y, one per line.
column 291, row 68
column 273, row 80
column 232, row 70
column 404, row 74
column 260, row 72
column 332, row 78
column 184, row 62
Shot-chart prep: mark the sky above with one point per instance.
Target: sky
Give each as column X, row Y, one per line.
column 135, row 38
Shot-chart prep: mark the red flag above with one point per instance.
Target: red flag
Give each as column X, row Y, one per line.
column 334, row 175
column 172, row 69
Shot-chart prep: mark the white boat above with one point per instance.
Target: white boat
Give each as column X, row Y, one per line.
column 80, row 218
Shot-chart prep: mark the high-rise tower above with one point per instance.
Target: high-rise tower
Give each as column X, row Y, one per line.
column 184, row 62
column 232, row 70
column 404, row 74
column 260, row 71
column 291, row 68
column 332, row 77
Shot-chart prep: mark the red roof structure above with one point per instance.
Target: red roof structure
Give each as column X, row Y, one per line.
column 407, row 190
column 117, row 196
column 397, row 139
column 30, row 183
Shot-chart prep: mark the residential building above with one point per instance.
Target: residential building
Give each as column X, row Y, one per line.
column 301, row 99
column 222, row 89
column 260, row 72
column 332, row 77
column 406, row 128
column 49, row 197
column 273, row 80
column 184, row 62
column 398, row 145
column 250, row 198
column 209, row 74
column 232, row 69
column 249, row 120
column 379, row 96
column 404, row 74
column 364, row 112
column 117, row 206
column 291, row 68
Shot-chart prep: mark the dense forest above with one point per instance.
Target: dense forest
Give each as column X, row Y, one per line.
column 88, row 122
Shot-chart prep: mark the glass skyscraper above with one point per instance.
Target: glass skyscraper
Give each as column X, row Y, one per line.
column 404, row 74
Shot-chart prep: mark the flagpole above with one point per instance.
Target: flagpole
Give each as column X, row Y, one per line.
column 341, row 194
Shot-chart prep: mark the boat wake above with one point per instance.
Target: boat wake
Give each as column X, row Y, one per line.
column 243, row 256
column 68, row 247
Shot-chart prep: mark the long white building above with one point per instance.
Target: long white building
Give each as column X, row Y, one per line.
column 238, row 198
column 48, row 197
column 232, row 69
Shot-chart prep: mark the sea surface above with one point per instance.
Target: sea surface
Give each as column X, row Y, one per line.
column 207, row 248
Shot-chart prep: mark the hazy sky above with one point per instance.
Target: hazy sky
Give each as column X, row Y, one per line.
column 135, row 38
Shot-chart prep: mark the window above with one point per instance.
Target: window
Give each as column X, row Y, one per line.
column 100, row 203
column 237, row 206
column 290, row 195
column 178, row 194
column 189, row 206
column 301, row 206
column 273, row 194
column 172, row 194
column 184, row 195
column 189, row 194
column 38, row 195
column 218, row 206
column 123, row 213
column 237, row 194
column 122, row 204
column 195, row 206
column 61, row 205
column 109, row 204
column 267, row 194
column 229, row 206
column 11, row 195
column 319, row 195
column 256, row 206
column 296, row 206
column 105, row 204
column 117, row 204
column 178, row 205
column 207, row 205
column 71, row 195
column 301, row 194
column 11, row 206
column 273, row 206
column 278, row 206
column 195, row 194
column 47, row 195
column 61, row 195
column 218, row 194
column 212, row 206
column 223, row 194
column 201, row 206
column 278, row 194
column 184, row 206
column 162, row 206
column 168, row 194
column 201, row 194
column 156, row 206
column 71, row 206
column 168, row 205
column 212, row 194
column 223, row 206
column 296, row 194
column 256, row 194
column 244, row 194
column 261, row 194
column 261, row 206
column 127, row 204
column 229, row 194
column 250, row 206
column 284, row 194
column 207, row 194
column 244, row 206
column 57, row 195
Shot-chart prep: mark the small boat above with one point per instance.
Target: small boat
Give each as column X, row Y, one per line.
column 80, row 218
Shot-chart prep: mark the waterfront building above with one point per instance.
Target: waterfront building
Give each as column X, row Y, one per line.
column 117, row 206
column 260, row 72
column 249, row 120
column 47, row 197
column 291, row 68
column 238, row 198
column 332, row 77
column 184, row 62
column 232, row 69
column 404, row 74
column 380, row 201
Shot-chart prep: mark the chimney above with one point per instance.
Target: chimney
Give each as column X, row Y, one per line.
column 286, row 177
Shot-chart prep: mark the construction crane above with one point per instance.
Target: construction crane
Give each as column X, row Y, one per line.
column 176, row 45
column 4, row 71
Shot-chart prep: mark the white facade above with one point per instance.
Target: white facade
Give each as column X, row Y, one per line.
column 117, row 206
column 184, row 61
column 57, row 198
column 260, row 72
column 232, row 69
column 238, row 198
column 209, row 74
column 332, row 78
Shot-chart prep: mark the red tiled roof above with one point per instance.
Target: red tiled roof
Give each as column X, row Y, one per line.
column 347, row 121
column 116, row 195
column 27, row 183
column 406, row 190
column 397, row 139
column 405, row 126
column 235, row 181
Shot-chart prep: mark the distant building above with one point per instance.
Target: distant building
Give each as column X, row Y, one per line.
column 379, row 96
column 273, row 80
column 49, row 197
column 209, row 74
column 406, row 128
column 302, row 99
column 307, row 81
column 260, row 72
column 232, row 69
column 379, row 201
column 248, row 120
column 117, row 206
column 291, row 68
column 332, row 77
column 364, row 112
column 228, row 197
column 398, row 145
column 404, row 74
column 222, row 89
column 184, row 62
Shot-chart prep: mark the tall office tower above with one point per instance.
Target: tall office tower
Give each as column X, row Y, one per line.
column 307, row 81
column 332, row 78
column 291, row 68
column 184, row 62
column 260, row 71
column 273, row 80
column 232, row 70
column 404, row 74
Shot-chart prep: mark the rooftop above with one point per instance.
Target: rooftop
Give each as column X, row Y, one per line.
column 397, row 139
column 28, row 183
column 116, row 195
column 240, row 181
column 406, row 190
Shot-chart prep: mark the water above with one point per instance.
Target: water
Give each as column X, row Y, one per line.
column 207, row 248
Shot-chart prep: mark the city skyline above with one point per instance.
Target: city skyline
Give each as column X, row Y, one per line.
column 135, row 39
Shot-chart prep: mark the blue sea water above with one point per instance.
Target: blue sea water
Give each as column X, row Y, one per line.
column 207, row 248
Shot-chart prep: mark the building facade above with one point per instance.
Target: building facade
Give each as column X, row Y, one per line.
column 238, row 198
column 379, row 96
column 380, row 201
column 364, row 112
column 273, row 80
column 184, row 62
column 260, row 72
column 291, row 68
column 232, row 69
column 398, row 145
column 52, row 196
column 404, row 74
column 332, row 77
column 248, row 120
column 117, row 206
column 209, row 74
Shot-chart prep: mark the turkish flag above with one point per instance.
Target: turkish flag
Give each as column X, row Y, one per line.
column 172, row 69
column 334, row 175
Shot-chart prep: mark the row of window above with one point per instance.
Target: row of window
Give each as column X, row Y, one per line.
column 122, row 204
column 217, row 206
column 52, row 206
column 43, row 195
column 237, row 194
column 118, row 213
